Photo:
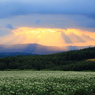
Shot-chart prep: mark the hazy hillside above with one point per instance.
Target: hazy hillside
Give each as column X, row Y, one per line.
column 29, row 48
column 32, row 49
column 71, row 60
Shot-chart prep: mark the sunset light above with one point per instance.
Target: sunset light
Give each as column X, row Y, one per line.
column 50, row 37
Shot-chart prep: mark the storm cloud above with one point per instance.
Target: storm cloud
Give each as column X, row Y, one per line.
column 9, row 8
column 9, row 26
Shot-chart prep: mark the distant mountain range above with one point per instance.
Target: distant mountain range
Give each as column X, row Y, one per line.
column 29, row 48
column 32, row 49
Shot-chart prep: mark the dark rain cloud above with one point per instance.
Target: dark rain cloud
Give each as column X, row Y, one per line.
column 9, row 26
column 9, row 8
column 38, row 21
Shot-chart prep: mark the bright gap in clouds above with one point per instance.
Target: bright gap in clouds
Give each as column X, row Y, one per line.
column 50, row 37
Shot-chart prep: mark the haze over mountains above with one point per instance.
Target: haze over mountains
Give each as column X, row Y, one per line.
column 33, row 49
column 30, row 48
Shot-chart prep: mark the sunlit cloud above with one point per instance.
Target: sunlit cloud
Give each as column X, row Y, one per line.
column 50, row 37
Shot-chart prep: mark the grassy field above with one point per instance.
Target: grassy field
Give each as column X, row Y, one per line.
column 47, row 83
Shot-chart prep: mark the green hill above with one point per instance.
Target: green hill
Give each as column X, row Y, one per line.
column 67, row 61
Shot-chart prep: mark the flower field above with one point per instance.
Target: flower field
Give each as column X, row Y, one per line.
column 47, row 83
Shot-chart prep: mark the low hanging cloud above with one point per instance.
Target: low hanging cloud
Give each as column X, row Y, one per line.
column 9, row 8
column 38, row 21
column 9, row 26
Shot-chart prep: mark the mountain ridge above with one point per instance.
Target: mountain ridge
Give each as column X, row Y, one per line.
column 33, row 49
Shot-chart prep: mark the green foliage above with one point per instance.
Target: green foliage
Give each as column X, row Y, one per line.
column 71, row 60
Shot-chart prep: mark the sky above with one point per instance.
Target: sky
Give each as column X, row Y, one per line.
column 48, row 22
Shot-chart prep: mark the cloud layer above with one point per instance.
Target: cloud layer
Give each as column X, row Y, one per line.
column 10, row 8
column 9, row 26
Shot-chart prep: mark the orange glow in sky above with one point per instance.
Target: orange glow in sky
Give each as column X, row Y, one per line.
column 50, row 37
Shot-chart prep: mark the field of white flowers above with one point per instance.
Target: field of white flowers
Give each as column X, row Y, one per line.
column 47, row 83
